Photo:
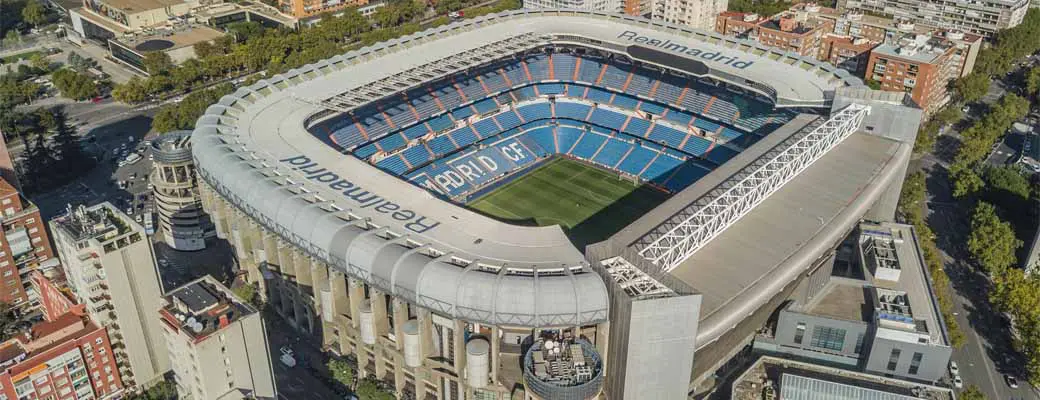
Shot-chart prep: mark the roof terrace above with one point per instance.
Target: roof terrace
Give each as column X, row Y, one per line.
column 202, row 307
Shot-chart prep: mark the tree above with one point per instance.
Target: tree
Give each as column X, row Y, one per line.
column 341, row 372
column 133, row 91
column 1007, row 179
column 75, row 85
column 157, row 63
column 972, row 87
column 245, row 292
column 38, row 61
column 34, row 13
column 245, row 30
column 1033, row 82
column 369, row 390
column 992, row 242
column 12, row 37
column 966, row 182
column 8, row 321
column 972, row 393
column 71, row 160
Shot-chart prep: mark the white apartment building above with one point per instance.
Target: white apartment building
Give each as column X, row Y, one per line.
column 110, row 267
column 217, row 344
column 698, row 14
column 983, row 17
column 585, row 5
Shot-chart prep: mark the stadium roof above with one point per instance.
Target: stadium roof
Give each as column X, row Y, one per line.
column 253, row 148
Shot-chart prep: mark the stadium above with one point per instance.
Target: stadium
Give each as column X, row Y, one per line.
column 572, row 203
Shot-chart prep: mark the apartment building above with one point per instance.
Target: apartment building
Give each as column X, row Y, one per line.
column 217, row 343
column 920, row 65
column 182, row 223
column 859, row 28
column 787, row 30
column 846, row 53
column 24, row 246
column 67, row 356
column 982, row 17
column 698, row 14
column 886, row 324
column 110, row 267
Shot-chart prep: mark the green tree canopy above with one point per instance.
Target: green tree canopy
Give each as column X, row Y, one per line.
column 992, row 242
column 341, row 372
column 75, row 85
column 972, row 87
column 157, row 63
column 34, row 13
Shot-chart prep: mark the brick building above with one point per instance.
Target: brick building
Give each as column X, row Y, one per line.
column 920, row 65
column 67, row 356
column 24, row 246
column 787, row 30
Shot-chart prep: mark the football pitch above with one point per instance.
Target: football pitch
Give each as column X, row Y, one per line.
column 588, row 202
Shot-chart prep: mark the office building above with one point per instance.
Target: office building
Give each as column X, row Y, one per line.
column 886, row 324
column 699, row 14
column 182, row 223
column 920, row 65
column 217, row 343
column 24, row 247
column 110, row 267
column 984, row 17
column 67, row 356
column 787, row 31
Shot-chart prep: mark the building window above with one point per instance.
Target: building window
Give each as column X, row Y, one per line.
column 859, row 344
column 893, row 359
column 828, row 338
column 915, row 363
column 799, row 333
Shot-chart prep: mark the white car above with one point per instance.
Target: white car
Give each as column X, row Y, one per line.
column 958, row 382
column 287, row 357
column 954, row 371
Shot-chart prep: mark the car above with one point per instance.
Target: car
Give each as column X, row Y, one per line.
column 953, row 368
column 958, row 382
column 287, row 357
column 130, row 211
column 1011, row 381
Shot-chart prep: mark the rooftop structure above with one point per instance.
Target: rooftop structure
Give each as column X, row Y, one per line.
column 182, row 223
column 981, row 17
column 790, row 379
column 568, row 369
column 110, row 267
column 922, row 65
column 217, row 343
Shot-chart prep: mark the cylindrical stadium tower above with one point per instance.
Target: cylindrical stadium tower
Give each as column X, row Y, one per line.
column 181, row 220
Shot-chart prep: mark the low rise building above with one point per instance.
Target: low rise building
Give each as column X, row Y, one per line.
column 699, row 14
column 67, row 356
column 982, row 17
column 217, row 343
column 886, row 324
column 110, row 267
column 24, row 247
column 920, row 65
column 788, row 31
column 182, row 223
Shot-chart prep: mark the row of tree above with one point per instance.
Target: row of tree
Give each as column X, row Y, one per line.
column 978, row 140
column 251, row 50
column 53, row 155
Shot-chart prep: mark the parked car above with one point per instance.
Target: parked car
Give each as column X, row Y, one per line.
column 958, row 382
column 287, row 357
column 1011, row 381
column 953, row 368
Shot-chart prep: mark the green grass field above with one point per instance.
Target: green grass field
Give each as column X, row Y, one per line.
column 588, row 202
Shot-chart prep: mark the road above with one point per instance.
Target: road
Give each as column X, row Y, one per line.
column 296, row 382
column 987, row 354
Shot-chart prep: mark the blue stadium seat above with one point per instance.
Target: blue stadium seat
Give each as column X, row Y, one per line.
column 667, row 135
column 730, row 134
column 394, row 164
column 441, row 145
column 612, row 152
column 538, row 66
column 637, row 127
column 472, row 89
column 423, row 103
column 576, row 91
column 589, row 70
column 626, row 102
column 660, row 168
column 463, row 136
column 604, row 117
column 532, row 112
column 550, row 89
column 636, row 160
column 543, row 137
column 366, row 151
column 678, row 117
column 563, row 66
column 348, row 137
column 669, row 90
column 515, row 74
column 462, row 113
column 449, row 96
column 641, row 83
column 392, row 142
column 696, row 145
column 615, row 77
column 566, row 136
column 525, row 93
column 485, row 106
column 440, row 123
column 598, row 95
column 651, row 108
column 494, row 81
column 706, row 125
column 485, row 128
column 416, row 155
column 587, row 145
column 505, row 98
column 576, row 111
column 509, row 119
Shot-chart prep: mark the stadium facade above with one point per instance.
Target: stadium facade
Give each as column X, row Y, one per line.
column 342, row 186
